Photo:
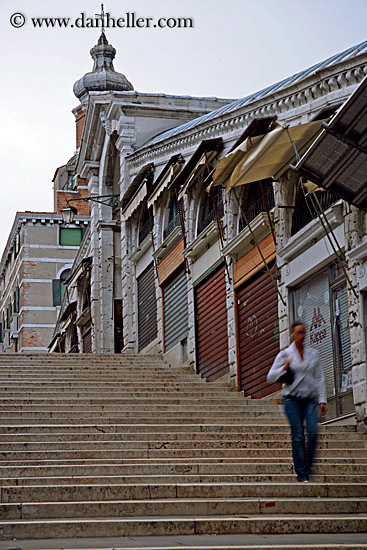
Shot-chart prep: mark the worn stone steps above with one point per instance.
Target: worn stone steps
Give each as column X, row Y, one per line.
column 177, row 525
column 117, row 446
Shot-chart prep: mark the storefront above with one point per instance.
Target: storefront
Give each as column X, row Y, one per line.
column 321, row 303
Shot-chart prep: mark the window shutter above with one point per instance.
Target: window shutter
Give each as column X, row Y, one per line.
column 56, row 292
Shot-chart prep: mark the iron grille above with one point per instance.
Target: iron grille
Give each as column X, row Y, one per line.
column 209, row 210
column 176, row 222
column 305, row 212
column 144, row 232
column 257, row 207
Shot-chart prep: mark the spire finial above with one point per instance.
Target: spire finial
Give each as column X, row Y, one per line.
column 101, row 16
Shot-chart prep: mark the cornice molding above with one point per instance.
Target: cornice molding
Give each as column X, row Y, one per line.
column 329, row 82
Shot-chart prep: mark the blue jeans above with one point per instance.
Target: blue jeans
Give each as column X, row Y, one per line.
column 300, row 410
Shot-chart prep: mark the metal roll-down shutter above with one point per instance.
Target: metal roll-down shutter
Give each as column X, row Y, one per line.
column 211, row 326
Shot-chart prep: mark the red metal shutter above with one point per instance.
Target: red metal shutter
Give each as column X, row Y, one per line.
column 211, row 326
column 258, row 333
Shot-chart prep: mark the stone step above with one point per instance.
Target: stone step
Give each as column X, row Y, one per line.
column 178, row 525
column 173, row 418
column 63, row 493
column 134, row 385
column 333, row 470
column 164, row 444
column 176, row 478
column 200, row 427
column 337, row 462
column 182, row 507
column 151, row 404
column 125, row 436
column 109, row 453
column 33, row 379
column 174, row 467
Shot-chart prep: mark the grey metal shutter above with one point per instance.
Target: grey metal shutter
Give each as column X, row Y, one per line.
column 312, row 306
column 343, row 335
column 56, row 292
column 175, row 310
column 147, row 308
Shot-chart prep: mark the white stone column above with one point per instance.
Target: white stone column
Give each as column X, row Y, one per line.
column 106, row 288
column 284, row 194
column 354, row 221
column 95, row 272
column 127, row 289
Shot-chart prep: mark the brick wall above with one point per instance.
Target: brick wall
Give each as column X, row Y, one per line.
column 82, row 207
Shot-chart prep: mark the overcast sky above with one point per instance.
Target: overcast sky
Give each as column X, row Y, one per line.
column 236, row 47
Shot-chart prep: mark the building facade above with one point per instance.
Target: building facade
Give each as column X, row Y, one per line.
column 36, row 262
column 216, row 246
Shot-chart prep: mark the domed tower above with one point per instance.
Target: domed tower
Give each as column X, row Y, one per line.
column 103, row 77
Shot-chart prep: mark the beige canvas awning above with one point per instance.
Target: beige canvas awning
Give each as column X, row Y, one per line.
column 135, row 202
column 227, row 164
column 271, row 156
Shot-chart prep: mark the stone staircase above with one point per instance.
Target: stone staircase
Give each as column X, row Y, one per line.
column 95, row 446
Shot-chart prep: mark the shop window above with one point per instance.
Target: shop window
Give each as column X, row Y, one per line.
column 174, row 216
column 208, row 211
column 58, row 288
column 253, row 202
column 70, row 237
column 304, row 212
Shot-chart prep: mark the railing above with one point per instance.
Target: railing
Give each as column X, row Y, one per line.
column 176, row 222
column 306, row 212
column 257, row 207
column 144, row 232
column 70, row 184
column 211, row 217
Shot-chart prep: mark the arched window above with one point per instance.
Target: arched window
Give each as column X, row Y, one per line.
column 253, row 202
column 208, row 210
column 304, row 211
column 58, row 287
column 145, row 225
column 174, row 216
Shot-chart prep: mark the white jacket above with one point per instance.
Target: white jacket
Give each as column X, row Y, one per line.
column 309, row 377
